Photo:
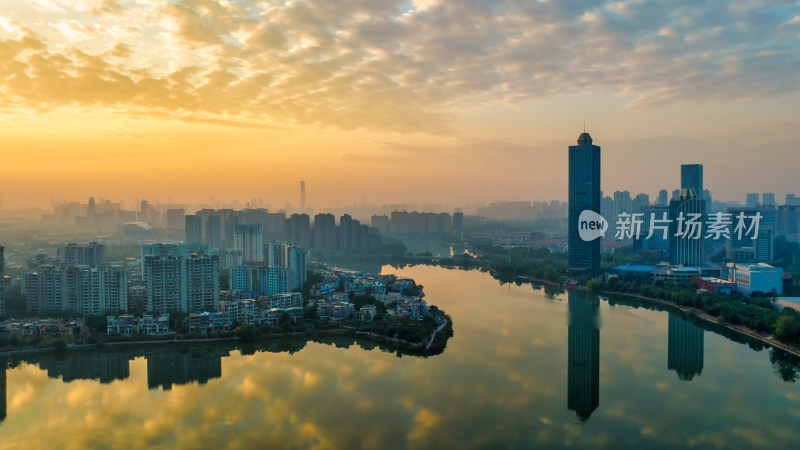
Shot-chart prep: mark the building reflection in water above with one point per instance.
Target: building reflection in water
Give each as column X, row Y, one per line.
column 583, row 355
column 3, row 367
column 685, row 352
column 168, row 367
column 105, row 367
column 165, row 367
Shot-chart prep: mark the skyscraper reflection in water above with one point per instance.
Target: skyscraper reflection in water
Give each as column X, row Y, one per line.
column 3, row 382
column 583, row 355
column 685, row 352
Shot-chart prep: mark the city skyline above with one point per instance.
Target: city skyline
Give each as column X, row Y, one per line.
column 441, row 93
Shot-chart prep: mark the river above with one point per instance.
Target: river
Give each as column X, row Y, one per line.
column 524, row 369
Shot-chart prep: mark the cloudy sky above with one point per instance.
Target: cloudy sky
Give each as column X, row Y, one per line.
column 422, row 100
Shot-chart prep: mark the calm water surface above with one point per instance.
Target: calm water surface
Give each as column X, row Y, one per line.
column 522, row 370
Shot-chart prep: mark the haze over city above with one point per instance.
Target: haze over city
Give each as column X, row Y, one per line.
column 420, row 101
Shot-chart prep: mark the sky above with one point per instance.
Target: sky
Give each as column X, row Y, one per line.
column 396, row 101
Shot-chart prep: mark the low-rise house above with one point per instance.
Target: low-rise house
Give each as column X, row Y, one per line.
column 367, row 313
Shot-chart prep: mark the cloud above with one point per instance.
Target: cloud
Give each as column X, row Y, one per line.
column 387, row 64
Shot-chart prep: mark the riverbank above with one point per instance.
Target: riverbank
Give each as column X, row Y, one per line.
column 767, row 339
column 421, row 347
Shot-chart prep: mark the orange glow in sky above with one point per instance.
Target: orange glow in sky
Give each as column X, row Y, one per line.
column 398, row 101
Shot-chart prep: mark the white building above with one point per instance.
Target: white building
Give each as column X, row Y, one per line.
column 752, row 277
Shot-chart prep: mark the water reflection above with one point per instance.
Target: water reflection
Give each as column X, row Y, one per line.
column 518, row 371
column 685, row 351
column 583, row 354
column 3, row 389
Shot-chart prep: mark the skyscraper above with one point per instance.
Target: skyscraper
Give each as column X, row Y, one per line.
column 584, row 194
column 686, row 242
column 302, row 194
column 692, row 177
column 768, row 198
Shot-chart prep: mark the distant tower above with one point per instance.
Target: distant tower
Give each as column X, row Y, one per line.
column 752, row 200
column 663, row 197
column 584, row 194
column 302, row 194
column 692, row 177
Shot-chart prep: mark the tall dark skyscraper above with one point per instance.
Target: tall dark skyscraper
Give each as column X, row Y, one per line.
column 692, row 177
column 584, row 193
column 583, row 355
column 685, row 348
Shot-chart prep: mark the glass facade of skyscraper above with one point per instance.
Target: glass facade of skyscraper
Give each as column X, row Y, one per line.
column 584, row 194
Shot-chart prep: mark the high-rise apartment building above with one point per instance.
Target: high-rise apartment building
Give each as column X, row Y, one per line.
column 249, row 239
column 324, row 231
column 298, row 230
column 92, row 254
column 177, row 278
column 86, row 290
column 752, row 200
column 584, row 194
column 212, row 232
column 768, row 198
column 193, row 229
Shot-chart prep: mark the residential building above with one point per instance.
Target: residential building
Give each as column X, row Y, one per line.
column 249, row 240
column 92, row 254
column 193, row 229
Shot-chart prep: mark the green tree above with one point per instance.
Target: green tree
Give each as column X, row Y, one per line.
column 247, row 332
column 787, row 328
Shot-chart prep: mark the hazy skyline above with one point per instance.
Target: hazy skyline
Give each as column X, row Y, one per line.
column 421, row 101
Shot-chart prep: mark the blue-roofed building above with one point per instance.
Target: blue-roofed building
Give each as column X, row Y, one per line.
column 633, row 270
